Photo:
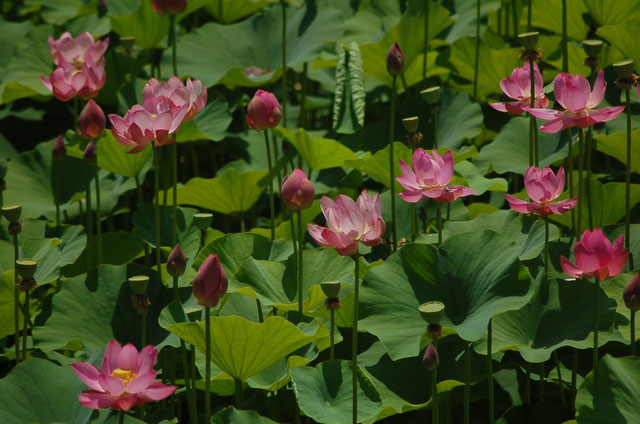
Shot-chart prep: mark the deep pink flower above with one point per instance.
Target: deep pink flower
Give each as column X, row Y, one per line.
column 349, row 222
column 596, row 257
column 297, row 190
column 169, row 7
column 92, row 122
column 67, row 82
column 211, row 282
column 193, row 93
column 395, row 59
column 263, row 111
column 125, row 379
column 429, row 178
column 574, row 94
column 77, row 51
column 518, row 87
column 155, row 120
column 631, row 294
column 543, row 187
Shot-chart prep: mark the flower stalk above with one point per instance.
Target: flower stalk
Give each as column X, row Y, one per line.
column 156, row 208
column 354, row 346
column 467, row 383
column 595, row 329
column 477, row 56
column 270, row 186
column 300, row 258
column 392, row 186
column 490, row 371
column 207, row 372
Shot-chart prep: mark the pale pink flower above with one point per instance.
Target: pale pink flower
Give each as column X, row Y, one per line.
column 193, row 93
column 349, row 222
column 77, row 51
column 67, row 82
column 125, row 379
column 596, row 257
column 574, row 94
column 429, row 178
column 297, row 190
column 210, row 283
column 518, row 87
column 543, row 187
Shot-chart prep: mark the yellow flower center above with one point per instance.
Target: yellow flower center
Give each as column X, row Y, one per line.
column 125, row 375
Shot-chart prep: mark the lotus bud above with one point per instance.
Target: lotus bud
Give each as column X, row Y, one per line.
column 297, row 190
column 395, row 59
column 592, row 47
column 431, row 360
column 177, row 262
column 169, row 7
column 631, row 294
column 139, row 284
column 263, row 111
column 59, row 151
column 431, row 95
column 529, row 40
column 210, row 283
column 411, row 124
column 92, row 122
column 90, row 152
column 202, row 220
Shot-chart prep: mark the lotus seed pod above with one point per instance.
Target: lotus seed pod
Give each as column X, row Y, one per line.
column 411, row 124
column 529, row 40
column 592, row 47
column 11, row 213
column 431, row 95
column 202, row 220
column 331, row 288
column 432, row 312
column 139, row 284
column 624, row 68
column 26, row 267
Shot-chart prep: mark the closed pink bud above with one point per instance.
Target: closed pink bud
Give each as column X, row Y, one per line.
column 90, row 152
column 210, row 283
column 92, row 121
column 297, row 190
column 177, row 262
column 59, row 151
column 169, row 7
column 631, row 294
column 395, row 59
column 263, row 111
column 431, row 359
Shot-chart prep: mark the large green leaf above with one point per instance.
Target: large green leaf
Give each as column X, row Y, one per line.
column 475, row 275
column 7, row 317
column 615, row 12
column 625, row 37
column 616, row 395
column 59, row 12
column 231, row 193
column 188, row 235
column 547, row 14
column 559, row 314
column 614, row 288
column 243, row 348
column 459, row 119
column 615, row 145
column 38, row 391
column 233, row 10
column 349, row 95
column 325, row 394
column 97, row 307
column 209, row 124
column 319, row 153
column 231, row 415
column 145, row 25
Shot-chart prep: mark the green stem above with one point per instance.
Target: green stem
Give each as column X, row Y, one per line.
column 426, row 39
column 570, row 166
column 156, row 209
column 303, row 100
column 284, row 63
column 595, row 331
column 300, row 259
column 514, row 10
column 627, row 216
column 414, row 224
column 143, row 331
column 439, row 209
column 121, row 417
column 435, row 129
column 434, row 395
column 392, row 178
column 565, row 51
column 542, row 378
column 88, row 218
column 238, row 393
column 467, row 382
column 333, row 326
column 354, row 346
column 260, row 314
column 25, row 329
column 490, row 371
column 527, row 385
column 57, row 181
column 546, row 246
column 533, row 148
column 207, row 372
column 560, row 382
column 580, row 179
column 172, row 35
column 632, row 330
column 174, row 203
column 16, row 298
column 140, row 201
column 220, row 10
column 98, row 216
column 574, row 378
column 477, row 56
column 588, row 180
column 270, row 186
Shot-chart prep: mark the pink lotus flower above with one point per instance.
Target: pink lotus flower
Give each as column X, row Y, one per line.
column 92, row 122
column 631, row 294
column 573, row 93
column 395, row 59
column 211, row 282
column 297, row 190
column 77, row 51
column 543, row 187
column 125, row 379
column 67, row 82
column 155, row 120
column 169, row 7
column 263, row 111
column 429, row 178
column 349, row 223
column 596, row 257
column 193, row 93
column 518, row 87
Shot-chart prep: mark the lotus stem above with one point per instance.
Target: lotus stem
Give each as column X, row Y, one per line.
column 570, row 166
column 140, row 201
column 627, row 216
column 25, row 329
column 174, row 50
column 143, row 330
column 514, row 10
column 588, row 180
column 565, row 51
column 270, row 187
column 527, row 385
column 632, row 331
column 434, row 395
column 392, row 179
column 477, row 57
column 121, row 417
column 435, row 127
column 207, row 372
column 174, row 203
column 560, row 382
column 533, row 146
column 500, row 20
column 56, row 195
column 354, row 346
column 284, row 62
column 546, row 246
column 426, row 39
column 490, row 371
column 156, row 208
column 88, row 219
column 238, row 392
column 98, row 215
column 300, row 259
column 574, row 378
column 595, row 330
column 467, row 382
column 542, row 378
column 414, row 224
column 16, row 298
column 439, row 209
column 331, row 335
column 303, row 103
column 580, row 178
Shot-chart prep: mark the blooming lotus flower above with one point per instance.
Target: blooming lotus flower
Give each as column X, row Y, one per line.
column 67, row 82
column 193, row 93
column 155, row 120
column 395, row 59
column 125, row 379
column 573, row 93
column 349, row 222
column 596, row 257
column 77, row 51
column 429, row 178
column 211, row 282
column 543, row 187
column 169, row 7
column 297, row 190
column 92, row 122
column 518, row 87
column 263, row 111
